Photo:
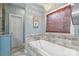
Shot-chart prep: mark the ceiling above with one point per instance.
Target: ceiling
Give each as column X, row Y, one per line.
column 19, row 4
column 47, row 6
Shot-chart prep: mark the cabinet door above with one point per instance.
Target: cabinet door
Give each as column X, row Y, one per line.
column 5, row 45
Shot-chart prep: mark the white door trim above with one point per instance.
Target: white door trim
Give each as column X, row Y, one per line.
column 15, row 15
column 11, row 14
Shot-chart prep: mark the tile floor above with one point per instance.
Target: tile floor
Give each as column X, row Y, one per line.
column 20, row 53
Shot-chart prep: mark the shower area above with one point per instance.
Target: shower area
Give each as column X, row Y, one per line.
column 5, row 38
column 11, row 29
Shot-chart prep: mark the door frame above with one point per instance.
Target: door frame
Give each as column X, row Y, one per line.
column 16, row 15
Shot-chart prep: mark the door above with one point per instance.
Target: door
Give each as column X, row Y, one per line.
column 16, row 30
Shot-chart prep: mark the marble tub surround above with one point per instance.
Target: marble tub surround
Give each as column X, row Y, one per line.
column 30, row 38
column 46, row 48
column 66, row 40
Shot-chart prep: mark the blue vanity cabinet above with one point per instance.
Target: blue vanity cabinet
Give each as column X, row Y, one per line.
column 5, row 45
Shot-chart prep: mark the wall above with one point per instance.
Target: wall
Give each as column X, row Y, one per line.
column 34, row 10
column 71, row 29
column 76, row 30
column 12, row 9
column 75, row 17
column 76, row 24
column 29, row 11
column 0, row 17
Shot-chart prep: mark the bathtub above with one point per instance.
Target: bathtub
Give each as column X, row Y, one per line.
column 45, row 48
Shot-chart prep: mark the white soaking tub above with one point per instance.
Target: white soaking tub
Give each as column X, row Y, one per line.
column 45, row 48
